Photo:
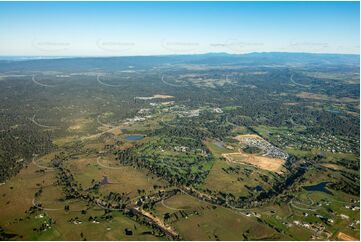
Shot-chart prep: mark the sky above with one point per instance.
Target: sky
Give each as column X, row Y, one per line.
column 158, row 28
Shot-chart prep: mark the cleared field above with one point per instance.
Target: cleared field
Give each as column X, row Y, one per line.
column 244, row 136
column 179, row 202
column 218, row 180
column 18, row 193
column 345, row 237
column 65, row 140
column 121, row 178
column 263, row 162
column 79, row 124
column 156, row 96
column 221, row 224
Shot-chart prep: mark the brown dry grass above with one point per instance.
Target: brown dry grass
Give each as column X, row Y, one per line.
column 116, row 132
column 332, row 166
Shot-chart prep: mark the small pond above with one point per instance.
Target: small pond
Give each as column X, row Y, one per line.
column 257, row 188
column 320, row 187
column 134, row 137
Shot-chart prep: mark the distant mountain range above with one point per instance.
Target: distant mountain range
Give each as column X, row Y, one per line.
column 211, row 54
column 113, row 63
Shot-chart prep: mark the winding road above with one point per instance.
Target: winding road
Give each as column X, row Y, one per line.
column 296, row 83
column 41, row 84
column 105, row 84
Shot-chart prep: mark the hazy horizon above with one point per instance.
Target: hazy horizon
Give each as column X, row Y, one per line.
column 165, row 55
column 165, row 28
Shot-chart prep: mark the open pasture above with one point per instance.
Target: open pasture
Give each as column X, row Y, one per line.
column 121, row 178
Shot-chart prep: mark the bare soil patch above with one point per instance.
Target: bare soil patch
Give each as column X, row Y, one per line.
column 345, row 237
column 243, row 136
column 156, row 96
column 263, row 162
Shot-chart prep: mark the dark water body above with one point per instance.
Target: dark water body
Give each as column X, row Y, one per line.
column 320, row 187
column 134, row 137
column 257, row 188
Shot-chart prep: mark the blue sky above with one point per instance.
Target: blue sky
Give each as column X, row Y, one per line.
column 147, row 28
